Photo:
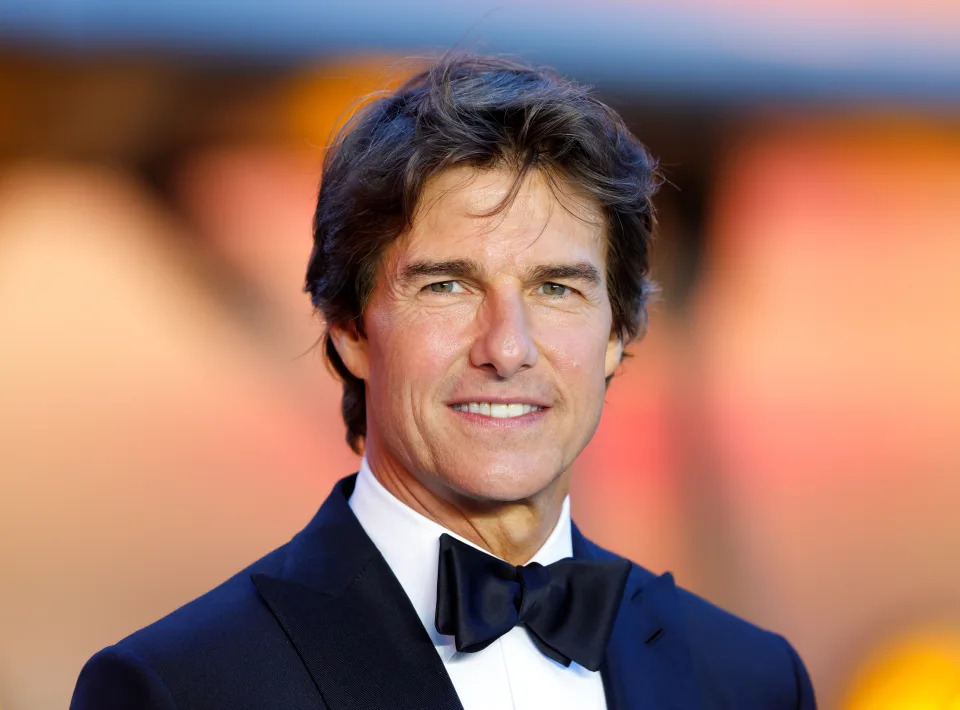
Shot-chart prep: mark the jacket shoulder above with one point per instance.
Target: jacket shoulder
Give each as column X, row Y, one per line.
column 117, row 678
column 731, row 653
column 219, row 617
column 208, row 653
column 737, row 663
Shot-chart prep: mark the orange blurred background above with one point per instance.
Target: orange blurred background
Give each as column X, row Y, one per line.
column 785, row 440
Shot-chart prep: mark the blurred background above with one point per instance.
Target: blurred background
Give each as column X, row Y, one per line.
column 785, row 440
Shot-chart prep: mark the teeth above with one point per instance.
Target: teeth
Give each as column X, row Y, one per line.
column 496, row 409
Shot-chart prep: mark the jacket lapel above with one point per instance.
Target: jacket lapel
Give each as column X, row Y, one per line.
column 350, row 620
column 648, row 663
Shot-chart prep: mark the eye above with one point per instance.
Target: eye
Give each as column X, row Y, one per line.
column 445, row 287
column 552, row 289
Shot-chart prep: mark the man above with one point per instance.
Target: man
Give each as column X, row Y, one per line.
column 481, row 259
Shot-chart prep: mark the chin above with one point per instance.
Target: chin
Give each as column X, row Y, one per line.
column 504, row 482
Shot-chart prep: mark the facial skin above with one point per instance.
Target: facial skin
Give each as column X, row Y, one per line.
column 511, row 307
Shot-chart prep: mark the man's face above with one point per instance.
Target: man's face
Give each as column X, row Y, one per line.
column 488, row 339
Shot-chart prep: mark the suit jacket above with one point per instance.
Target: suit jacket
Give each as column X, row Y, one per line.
column 322, row 622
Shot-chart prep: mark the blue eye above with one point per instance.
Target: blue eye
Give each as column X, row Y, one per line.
column 552, row 289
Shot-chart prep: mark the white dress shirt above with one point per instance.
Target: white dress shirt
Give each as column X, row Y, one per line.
column 509, row 673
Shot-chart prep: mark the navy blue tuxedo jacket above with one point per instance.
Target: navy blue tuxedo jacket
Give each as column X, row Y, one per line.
column 322, row 623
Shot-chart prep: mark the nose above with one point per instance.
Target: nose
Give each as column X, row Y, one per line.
column 504, row 343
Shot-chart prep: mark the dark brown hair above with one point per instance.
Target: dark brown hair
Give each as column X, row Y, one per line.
column 483, row 112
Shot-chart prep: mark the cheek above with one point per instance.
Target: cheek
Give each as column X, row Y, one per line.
column 579, row 360
column 578, row 364
column 410, row 360
column 580, row 349
column 437, row 339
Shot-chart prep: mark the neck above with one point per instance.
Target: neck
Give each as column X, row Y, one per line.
column 512, row 530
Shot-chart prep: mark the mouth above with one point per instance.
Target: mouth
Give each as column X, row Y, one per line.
column 499, row 414
column 498, row 410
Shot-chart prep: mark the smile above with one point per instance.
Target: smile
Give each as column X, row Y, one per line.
column 497, row 410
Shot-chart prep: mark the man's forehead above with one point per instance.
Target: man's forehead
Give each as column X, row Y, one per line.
column 476, row 194
column 458, row 217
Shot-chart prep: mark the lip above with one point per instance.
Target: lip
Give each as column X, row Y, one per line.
column 524, row 420
column 500, row 400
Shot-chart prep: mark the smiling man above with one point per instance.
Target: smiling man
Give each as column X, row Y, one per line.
column 487, row 342
column 481, row 259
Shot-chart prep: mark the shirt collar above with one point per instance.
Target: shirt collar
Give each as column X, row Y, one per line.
column 410, row 543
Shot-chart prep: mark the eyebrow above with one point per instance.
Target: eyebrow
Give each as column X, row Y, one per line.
column 459, row 268
column 466, row 268
column 581, row 271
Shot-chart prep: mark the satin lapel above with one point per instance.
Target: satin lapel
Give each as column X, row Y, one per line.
column 648, row 663
column 350, row 620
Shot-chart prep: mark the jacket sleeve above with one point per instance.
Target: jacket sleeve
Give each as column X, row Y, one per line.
column 804, row 688
column 118, row 679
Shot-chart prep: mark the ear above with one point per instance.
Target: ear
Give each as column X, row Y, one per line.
column 614, row 354
column 352, row 348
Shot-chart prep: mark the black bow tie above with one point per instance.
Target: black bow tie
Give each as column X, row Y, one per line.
column 568, row 607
